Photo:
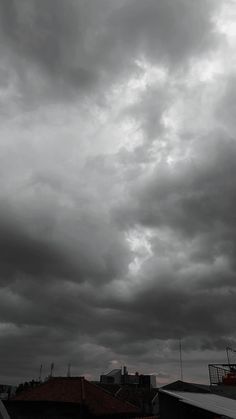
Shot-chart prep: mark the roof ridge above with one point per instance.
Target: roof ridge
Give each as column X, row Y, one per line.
column 110, row 394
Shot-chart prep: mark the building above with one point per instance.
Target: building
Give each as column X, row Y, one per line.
column 72, row 397
column 137, row 389
column 113, row 377
column 123, row 378
column 194, row 401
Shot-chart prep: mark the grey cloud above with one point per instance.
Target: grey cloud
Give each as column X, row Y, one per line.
column 83, row 45
column 69, row 200
column 195, row 195
column 163, row 30
column 24, row 254
column 51, row 253
column 34, row 348
column 225, row 110
column 170, row 311
column 48, row 33
column 188, row 286
column 148, row 112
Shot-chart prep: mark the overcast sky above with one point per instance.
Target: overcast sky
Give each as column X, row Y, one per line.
column 117, row 186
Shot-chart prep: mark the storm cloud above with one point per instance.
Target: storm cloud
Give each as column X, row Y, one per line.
column 117, row 186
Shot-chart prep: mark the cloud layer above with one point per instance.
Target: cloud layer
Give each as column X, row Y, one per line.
column 117, row 191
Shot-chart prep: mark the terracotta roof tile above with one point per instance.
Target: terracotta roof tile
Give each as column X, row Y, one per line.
column 77, row 390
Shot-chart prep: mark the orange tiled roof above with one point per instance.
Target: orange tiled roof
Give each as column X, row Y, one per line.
column 77, row 390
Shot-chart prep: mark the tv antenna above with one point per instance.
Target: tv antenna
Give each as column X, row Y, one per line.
column 51, row 369
column 40, row 372
column 228, row 350
column 68, row 370
column 180, row 360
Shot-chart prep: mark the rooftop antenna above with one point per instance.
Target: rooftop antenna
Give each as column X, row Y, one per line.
column 180, row 360
column 40, row 372
column 228, row 349
column 68, row 370
column 51, row 369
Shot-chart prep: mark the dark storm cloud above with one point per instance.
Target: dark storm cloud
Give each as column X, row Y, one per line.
column 187, row 287
column 34, row 347
column 73, row 192
column 48, row 34
column 23, row 254
column 175, row 312
column 196, row 195
column 52, row 253
column 169, row 30
column 55, row 48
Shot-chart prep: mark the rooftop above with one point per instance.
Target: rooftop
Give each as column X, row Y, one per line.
column 206, row 401
column 220, row 390
column 77, row 390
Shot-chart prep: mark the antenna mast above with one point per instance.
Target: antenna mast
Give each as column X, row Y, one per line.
column 52, row 369
column 180, row 360
column 68, row 370
column 40, row 372
column 228, row 349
